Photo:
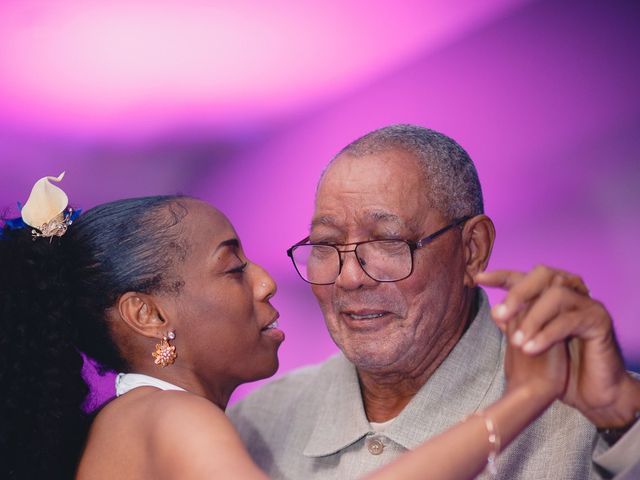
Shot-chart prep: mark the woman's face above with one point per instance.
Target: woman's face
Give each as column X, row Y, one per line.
column 222, row 317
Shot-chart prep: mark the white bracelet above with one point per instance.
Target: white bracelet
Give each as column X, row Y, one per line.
column 494, row 442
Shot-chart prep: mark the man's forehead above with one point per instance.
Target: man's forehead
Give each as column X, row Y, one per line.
column 378, row 163
column 365, row 217
column 383, row 189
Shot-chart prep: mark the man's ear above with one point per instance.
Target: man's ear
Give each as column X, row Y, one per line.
column 141, row 313
column 478, row 236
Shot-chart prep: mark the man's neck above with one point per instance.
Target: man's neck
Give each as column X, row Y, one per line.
column 385, row 394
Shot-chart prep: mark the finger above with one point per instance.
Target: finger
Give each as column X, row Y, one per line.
column 553, row 333
column 547, row 308
column 571, row 281
column 532, row 285
column 525, row 287
column 504, row 279
column 588, row 322
column 509, row 328
column 512, row 352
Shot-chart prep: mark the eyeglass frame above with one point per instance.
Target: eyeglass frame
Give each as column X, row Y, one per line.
column 413, row 246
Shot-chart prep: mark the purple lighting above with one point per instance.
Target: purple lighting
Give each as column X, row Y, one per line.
column 243, row 104
column 131, row 67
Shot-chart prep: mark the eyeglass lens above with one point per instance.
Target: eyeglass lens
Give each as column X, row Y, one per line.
column 382, row 260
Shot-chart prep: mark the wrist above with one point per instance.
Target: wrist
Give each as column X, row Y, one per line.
column 612, row 435
column 540, row 394
column 624, row 410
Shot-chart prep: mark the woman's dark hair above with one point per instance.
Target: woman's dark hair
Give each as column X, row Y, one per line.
column 54, row 294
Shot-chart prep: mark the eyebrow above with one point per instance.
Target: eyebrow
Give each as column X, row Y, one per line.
column 375, row 216
column 232, row 242
column 324, row 220
column 385, row 217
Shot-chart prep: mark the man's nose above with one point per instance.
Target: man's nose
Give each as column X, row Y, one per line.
column 352, row 274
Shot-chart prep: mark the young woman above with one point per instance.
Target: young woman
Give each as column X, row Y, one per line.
column 160, row 288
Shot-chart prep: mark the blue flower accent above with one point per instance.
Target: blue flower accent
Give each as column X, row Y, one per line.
column 18, row 223
column 15, row 223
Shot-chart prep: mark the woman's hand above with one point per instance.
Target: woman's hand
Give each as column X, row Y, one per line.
column 543, row 375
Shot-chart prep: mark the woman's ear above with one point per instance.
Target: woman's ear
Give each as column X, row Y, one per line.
column 478, row 236
column 140, row 312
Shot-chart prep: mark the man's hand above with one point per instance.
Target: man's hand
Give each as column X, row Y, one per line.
column 551, row 306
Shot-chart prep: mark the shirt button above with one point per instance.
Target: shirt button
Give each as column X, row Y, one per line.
column 375, row 446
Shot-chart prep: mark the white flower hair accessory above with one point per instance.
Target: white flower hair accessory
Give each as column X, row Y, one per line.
column 46, row 209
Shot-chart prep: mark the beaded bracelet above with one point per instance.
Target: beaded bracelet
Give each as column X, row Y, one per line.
column 494, row 442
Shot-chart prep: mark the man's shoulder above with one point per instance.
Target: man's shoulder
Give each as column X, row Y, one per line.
column 287, row 391
column 285, row 408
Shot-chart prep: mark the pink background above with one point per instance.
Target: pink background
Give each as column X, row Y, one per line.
column 242, row 103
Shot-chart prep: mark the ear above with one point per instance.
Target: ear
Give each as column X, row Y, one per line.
column 141, row 313
column 478, row 236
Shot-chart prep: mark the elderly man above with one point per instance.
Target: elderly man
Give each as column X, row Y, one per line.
column 397, row 247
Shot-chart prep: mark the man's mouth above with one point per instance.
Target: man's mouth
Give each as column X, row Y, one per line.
column 365, row 316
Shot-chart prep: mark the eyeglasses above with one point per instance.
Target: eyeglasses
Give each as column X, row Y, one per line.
column 383, row 260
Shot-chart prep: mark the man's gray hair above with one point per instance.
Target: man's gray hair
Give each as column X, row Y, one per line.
column 453, row 186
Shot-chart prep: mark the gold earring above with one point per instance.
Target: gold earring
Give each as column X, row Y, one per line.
column 165, row 353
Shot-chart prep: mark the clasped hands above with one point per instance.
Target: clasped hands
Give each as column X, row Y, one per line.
column 567, row 338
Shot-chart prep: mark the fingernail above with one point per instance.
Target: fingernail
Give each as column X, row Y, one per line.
column 500, row 311
column 529, row 347
column 517, row 338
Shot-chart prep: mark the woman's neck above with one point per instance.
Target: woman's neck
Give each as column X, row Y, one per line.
column 218, row 393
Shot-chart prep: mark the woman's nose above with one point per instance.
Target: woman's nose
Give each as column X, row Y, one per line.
column 266, row 284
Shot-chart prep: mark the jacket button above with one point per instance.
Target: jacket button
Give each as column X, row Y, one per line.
column 375, row 446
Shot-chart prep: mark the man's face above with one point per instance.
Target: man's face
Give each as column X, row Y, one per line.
column 388, row 327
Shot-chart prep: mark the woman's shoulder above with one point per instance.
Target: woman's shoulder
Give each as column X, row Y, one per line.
column 147, row 410
column 176, row 413
column 182, row 432
column 169, row 403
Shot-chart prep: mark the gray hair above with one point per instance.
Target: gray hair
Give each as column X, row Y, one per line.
column 453, row 186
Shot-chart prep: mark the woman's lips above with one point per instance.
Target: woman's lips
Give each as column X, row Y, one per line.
column 271, row 329
column 273, row 323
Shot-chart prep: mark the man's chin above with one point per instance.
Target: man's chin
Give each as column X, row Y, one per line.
column 371, row 359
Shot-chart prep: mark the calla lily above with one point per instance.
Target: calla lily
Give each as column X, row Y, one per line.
column 45, row 203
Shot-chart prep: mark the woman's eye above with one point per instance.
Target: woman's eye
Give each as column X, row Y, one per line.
column 239, row 269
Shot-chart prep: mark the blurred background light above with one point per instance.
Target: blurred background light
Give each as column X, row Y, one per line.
column 132, row 66
column 242, row 103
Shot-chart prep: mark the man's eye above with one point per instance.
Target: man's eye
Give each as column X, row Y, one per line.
column 239, row 269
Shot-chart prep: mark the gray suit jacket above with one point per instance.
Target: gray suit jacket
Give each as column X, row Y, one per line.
column 312, row 424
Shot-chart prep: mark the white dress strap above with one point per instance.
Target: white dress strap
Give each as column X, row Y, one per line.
column 126, row 382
